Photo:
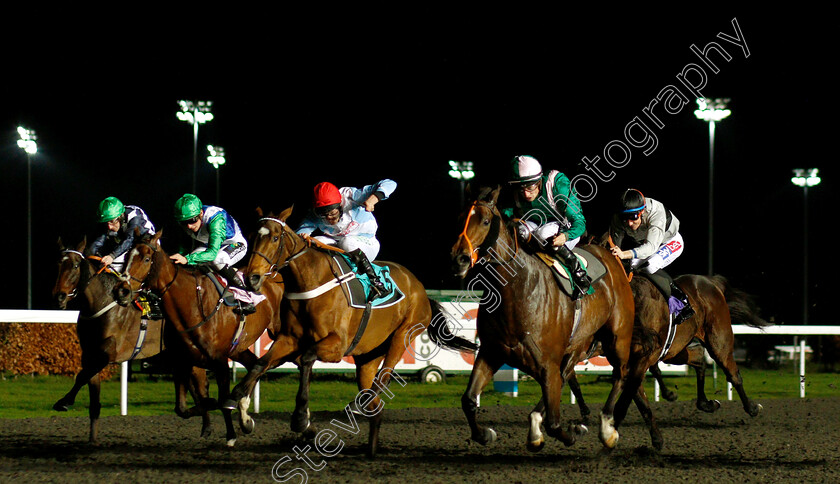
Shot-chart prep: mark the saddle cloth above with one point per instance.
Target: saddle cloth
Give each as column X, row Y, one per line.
column 234, row 293
column 593, row 267
column 358, row 288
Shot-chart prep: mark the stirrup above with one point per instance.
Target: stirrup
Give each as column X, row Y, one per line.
column 245, row 308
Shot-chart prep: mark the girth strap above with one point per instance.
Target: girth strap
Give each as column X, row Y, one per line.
column 361, row 331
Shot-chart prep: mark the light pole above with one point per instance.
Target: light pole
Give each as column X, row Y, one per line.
column 216, row 157
column 195, row 113
column 461, row 171
column 711, row 111
column 805, row 178
column 28, row 145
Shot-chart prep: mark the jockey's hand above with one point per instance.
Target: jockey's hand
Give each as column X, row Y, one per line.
column 106, row 261
column 305, row 237
column 178, row 259
column 370, row 202
column 559, row 239
column 621, row 254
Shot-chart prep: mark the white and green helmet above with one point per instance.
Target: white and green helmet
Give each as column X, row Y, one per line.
column 526, row 169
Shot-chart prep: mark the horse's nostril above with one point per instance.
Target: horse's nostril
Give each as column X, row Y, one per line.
column 463, row 259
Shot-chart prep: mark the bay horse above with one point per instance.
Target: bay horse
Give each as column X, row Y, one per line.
column 527, row 322
column 716, row 304
column 206, row 333
column 109, row 333
column 325, row 326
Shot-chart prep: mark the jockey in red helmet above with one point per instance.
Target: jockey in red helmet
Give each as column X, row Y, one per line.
column 345, row 219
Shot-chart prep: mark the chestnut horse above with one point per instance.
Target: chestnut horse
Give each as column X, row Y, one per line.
column 109, row 333
column 206, row 333
column 325, row 327
column 716, row 305
column 527, row 322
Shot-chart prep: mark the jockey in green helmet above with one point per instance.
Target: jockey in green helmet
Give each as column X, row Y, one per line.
column 219, row 241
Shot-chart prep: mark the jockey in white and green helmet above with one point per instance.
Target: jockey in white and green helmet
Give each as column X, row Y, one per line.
column 549, row 211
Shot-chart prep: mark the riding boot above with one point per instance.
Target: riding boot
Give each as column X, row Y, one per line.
column 580, row 278
column 678, row 305
column 233, row 279
column 377, row 288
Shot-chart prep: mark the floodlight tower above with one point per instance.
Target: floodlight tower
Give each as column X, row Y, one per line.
column 805, row 178
column 712, row 111
column 28, row 145
column 195, row 113
column 461, row 171
column 216, row 157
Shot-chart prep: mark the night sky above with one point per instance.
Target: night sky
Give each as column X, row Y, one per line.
column 356, row 96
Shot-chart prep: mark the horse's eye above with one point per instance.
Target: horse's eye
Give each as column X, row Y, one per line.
column 275, row 239
column 486, row 221
column 75, row 266
column 147, row 259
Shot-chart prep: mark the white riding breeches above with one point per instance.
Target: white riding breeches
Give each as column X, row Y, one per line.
column 228, row 255
column 543, row 233
column 667, row 253
column 369, row 245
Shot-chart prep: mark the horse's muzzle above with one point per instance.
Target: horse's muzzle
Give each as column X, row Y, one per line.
column 61, row 300
column 460, row 265
column 122, row 294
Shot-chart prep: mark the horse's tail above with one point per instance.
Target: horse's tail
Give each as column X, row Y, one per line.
column 742, row 306
column 441, row 335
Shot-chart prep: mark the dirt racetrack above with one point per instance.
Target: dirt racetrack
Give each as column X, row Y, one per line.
column 791, row 441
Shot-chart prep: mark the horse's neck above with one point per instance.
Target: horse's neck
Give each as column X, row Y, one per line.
column 166, row 271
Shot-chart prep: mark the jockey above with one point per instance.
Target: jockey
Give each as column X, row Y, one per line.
column 651, row 233
column 220, row 241
column 344, row 217
column 120, row 223
column 549, row 211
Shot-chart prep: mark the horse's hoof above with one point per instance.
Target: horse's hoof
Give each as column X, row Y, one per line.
column 535, row 446
column 580, row 429
column 247, row 426
column 206, row 433
column 61, row 407
column 229, row 404
column 608, row 434
column 487, row 438
column 670, row 396
column 230, row 442
column 709, row 406
column 755, row 410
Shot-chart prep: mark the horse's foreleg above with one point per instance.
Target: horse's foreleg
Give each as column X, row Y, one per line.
column 618, row 358
column 536, row 439
column 199, row 390
column 246, row 423
column 667, row 394
column 222, row 373
column 697, row 360
column 552, row 395
column 300, row 417
column 584, row 409
column 482, row 373
column 283, row 349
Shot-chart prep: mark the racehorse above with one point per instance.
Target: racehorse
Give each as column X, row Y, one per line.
column 322, row 325
column 109, row 333
column 716, row 304
column 207, row 333
column 527, row 322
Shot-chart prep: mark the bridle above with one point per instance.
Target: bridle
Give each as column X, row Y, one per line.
column 488, row 241
column 274, row 266
column 127, row 277
column 75, row 290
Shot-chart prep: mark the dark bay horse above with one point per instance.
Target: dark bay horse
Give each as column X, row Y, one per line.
column 527, row 322
column 716, row 304
column 325, row 326
column 205, row 332
column 109, row 333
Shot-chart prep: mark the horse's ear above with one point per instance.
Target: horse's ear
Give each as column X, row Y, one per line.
column 468, row 191
column 259, row 212
column 494, row 195
column 284, row 215
column 60, row 244
column 82, row 244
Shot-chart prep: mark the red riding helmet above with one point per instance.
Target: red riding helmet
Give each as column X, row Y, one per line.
column 326, row 194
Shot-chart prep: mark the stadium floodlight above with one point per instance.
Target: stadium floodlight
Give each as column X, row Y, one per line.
column 195, row 113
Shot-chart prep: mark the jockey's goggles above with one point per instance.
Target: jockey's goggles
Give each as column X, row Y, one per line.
column 327, row 209
column 190, row 221
column 632, row 214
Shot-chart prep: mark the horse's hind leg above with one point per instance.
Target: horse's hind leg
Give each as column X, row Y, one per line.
column 644, row 408
column 574, row 386
column 95, row 407
column 667, row 394
column 481, row 374
column 721, row 350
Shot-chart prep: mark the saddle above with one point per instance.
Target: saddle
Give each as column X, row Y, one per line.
column 359, row 286
column 593, row 267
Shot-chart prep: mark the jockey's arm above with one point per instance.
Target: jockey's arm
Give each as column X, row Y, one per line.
column 216, row 228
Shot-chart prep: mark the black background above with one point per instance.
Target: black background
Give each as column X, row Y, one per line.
column 362, row 94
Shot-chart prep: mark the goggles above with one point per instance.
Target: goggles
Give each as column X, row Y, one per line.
column 632, row 214
column 327, row 209
column 190, row 221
